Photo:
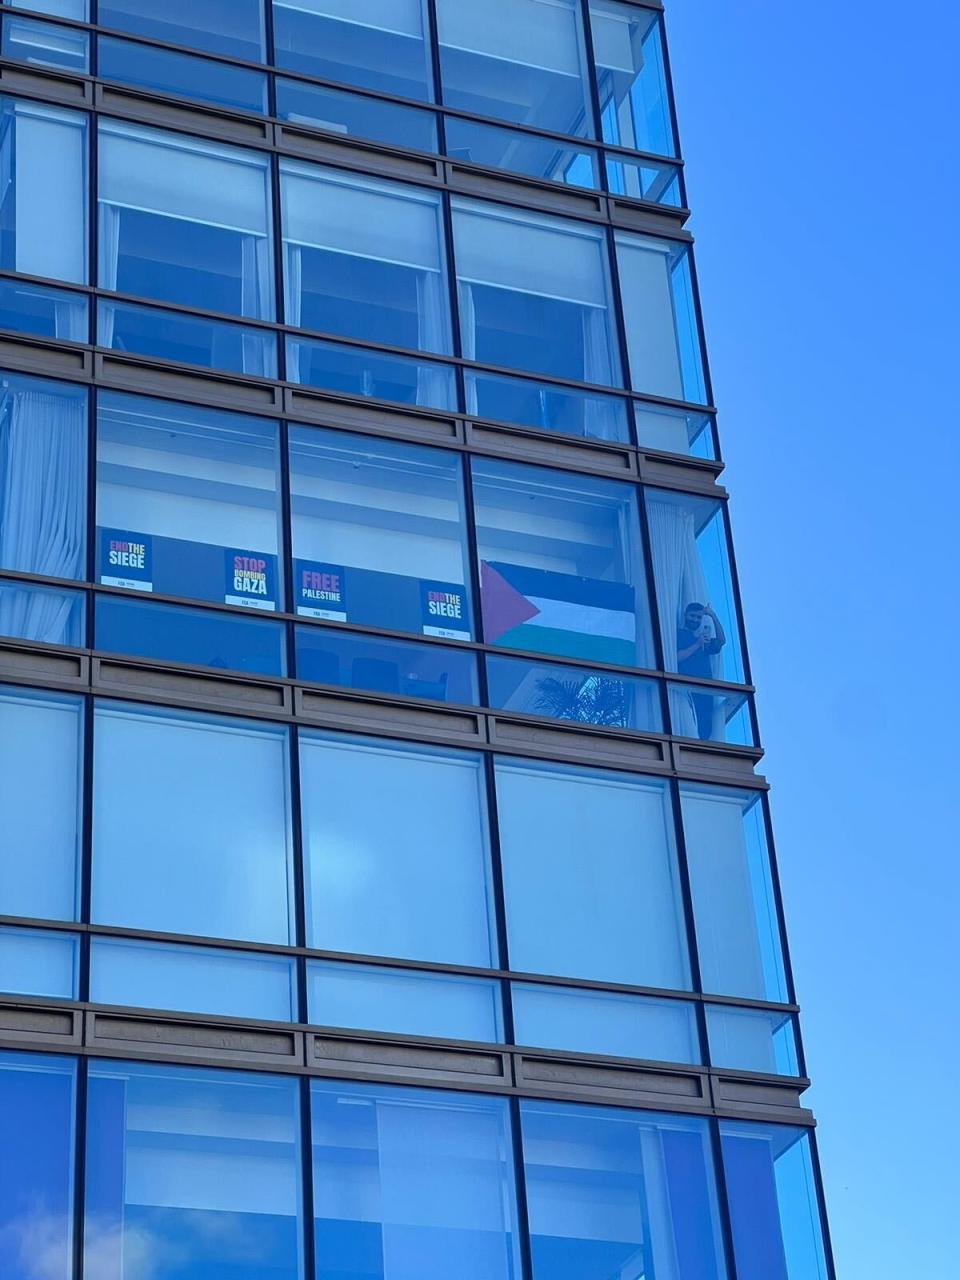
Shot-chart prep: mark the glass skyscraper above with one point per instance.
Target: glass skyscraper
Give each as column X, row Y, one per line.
column 386, row 880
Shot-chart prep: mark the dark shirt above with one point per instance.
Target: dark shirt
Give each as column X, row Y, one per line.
column 698, row 663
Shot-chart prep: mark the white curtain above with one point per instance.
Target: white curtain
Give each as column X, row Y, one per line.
column 293, row 303
column 468, row 338
column 108, row 251
column 431, row 336
column 599, row 416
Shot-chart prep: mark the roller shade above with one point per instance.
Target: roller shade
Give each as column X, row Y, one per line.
column 617, row 38
column 647, row 292
column 50, row 184
column 536, row 33
column 400, row 17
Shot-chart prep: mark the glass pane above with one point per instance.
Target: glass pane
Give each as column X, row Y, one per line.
column 233, row 984
column 534, row 293
column 415, row 1182
column 644, row 180
column 631, row 76
column 517, row 60
column 674, row 430
column 37, row 1124
column 663, row 334
column 774, row 1210
column 364, row 258
column 214, row 858
column 187, row 501
column 34, row 962
column 192, row 1172
column 596, row 847
column 174, row 335
column 78, row 10
column 385, row 666
column 199, row 637
column 699, row 712
column 44, row 44
column 181, row 74
column 49, row 313
column 560, row 564
column 546, row 406
column 404, row 1001
column 340, row 111
column 379, row 532
column 377, row 881
column 184, row 220
column 699, row 618
column 618, row 1193
column 753, row 1039
column 358, row 371
column 605, row 1022
column 232, row 27
column 574, row 693
column 41, row 737
column 374, row 44
column 43, row 199
column 733, row 897
column 539, row 157
column 41, row 613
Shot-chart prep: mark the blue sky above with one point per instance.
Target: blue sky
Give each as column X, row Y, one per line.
column 824, row 174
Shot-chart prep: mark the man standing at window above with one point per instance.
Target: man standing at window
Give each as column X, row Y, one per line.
column 699, row 637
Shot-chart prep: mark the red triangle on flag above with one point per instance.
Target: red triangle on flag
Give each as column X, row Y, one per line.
column 503, row 606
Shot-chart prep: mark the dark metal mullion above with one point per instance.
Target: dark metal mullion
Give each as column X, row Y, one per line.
column 520, row 1188
column 777, row 888
column 79, row 1164
column 689, row 914
column 593, row 92
column 723, row 1197
column 306, row 1173
column 269, row 57
column 821, row 1202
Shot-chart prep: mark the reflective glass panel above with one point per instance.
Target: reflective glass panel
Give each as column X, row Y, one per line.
column 49, row 313
column 40, row 764
column 774, row 1210
column 396, row 850
column 631, row 77
column 41, row 613
column 546, row 406
column 208, row 801
column 731, row 881
column 644, row 180
column 181, row 74
column 574, row 693
column 358, row 371
column 231, row 27
column 37, row 1123
column 517, row 60
column 405, row 1001
column 387, row 666
column 753, row 1039
column 188, row 339
column 339, row 111
column 43, row 197
column 192, row 1172
column 713, row 715
column 596, row 847
column 44, row 44
column 674, row 430
column 78, row 10
column 183, row 220
column 187, row 501
column 699, row 618
column 39, row 962
column 412, row 1183
column 528, row 153
column 534, row 292
column 374, row 44
column 616, row 1193
column 560, row 569
column 153, row 975
column 379, row 534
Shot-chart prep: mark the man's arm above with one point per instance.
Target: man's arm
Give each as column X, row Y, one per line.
column 684, row 654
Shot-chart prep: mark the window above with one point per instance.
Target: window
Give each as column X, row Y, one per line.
column 39, row 962
column 363, row 371
column 632, row 78
column 415, row 1182
column 560, row 567
column 620, row 1193
column 387, row 666
column 673, row 430
column 37, row 1104
column 374, row 44
column 715, row 716
column 187, row 501
column 395, row 842
column 547, row 406
column 596, row 847
column 192, row 1171
column 191, row 824
column 517, row 60
column 50, row 313
column 41, row 613
column 44, row 44
column 574, row 693
column 753, row 1039
column 40, row 765
column 535, row 294
column 185, row 221
column 498, row 148
column 342, row 112
column 231, row 27
column 43, row 196
column 379, row 534
column 738, row 930
column 182, row 74
column 187, row 338
column 78, row 10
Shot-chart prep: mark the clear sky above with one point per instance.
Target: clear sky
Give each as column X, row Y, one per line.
column 823, row 169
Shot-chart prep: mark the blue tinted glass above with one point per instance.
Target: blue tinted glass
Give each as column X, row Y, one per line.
column 404, row 1001
column 358, row 372
column 384, row 666
column 753, row 1039
column 733, row 897
column 412, row 1183
column 79, row 10
column 625, row 894
column 181, row 74
column 674, row 430
column 715, row 716
column 232, row 27
column 534, row 293
column 632, row 78
column 364, row 258
column 613, row 1193
column 377, row 883
column 151, row 975
column 374, row 44
column 546, row 406
column 44, row 44
column 37, row 1102
column 644, row 180
column 173, row 335
column 574, row 693
column 605, row 1022
column 192, row 1173
column 339, row 111
column 41, row 613
column 527, row 153
column 214, row 858
column 40, row 763
column 49, row 313
column 774, row 1211
column 34, row 962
